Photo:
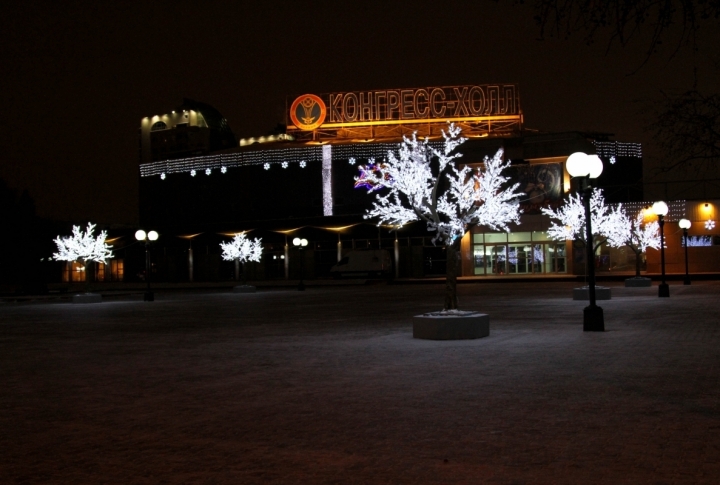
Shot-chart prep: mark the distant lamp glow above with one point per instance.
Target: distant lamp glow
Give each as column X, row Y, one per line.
column 147, row 237
column 660, row 208
column 580, row 164
column 300, row 244
column 685, row 225
column 576, row 164
column 595, row 166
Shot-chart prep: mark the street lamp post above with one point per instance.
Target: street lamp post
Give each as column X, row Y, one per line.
column 586, row 167
column 685, row 225
column 661, row 209
column 148, row 237
column 300, row 244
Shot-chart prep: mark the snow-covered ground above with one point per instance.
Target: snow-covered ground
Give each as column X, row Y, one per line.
column 328, row 386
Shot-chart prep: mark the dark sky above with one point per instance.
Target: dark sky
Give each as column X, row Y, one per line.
column 79, row 76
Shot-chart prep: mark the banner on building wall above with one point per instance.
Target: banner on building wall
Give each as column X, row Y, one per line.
column 541, row 183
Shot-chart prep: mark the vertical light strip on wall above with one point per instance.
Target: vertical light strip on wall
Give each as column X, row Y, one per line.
column 327, row 180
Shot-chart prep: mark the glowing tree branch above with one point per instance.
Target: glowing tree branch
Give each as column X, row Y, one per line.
column 83, row 247
column 641, row 236
column 448, row 199
column 609, row 224
column 242, row 249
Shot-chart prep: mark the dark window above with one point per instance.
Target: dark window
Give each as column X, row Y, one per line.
column 158, row 125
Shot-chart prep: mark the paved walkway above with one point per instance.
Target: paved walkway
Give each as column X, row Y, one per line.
column 328, row 386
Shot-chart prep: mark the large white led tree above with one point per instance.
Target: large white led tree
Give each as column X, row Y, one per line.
column 640, row 236
column 241, row 249
column 425, row 184
column 609, row 224
column 83, row 247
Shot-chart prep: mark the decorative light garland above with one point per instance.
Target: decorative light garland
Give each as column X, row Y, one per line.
column 607, row 149
column 237, row 159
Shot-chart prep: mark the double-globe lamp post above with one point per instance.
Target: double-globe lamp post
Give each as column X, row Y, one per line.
column 585, row 167
column 300, row 244
column 660, row 208
column 147, row 238
column 685, row 225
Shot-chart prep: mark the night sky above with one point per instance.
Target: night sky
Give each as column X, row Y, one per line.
column 79, row 76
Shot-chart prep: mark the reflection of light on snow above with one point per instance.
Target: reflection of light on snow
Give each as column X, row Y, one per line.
column 698, row 241
column 710, row 225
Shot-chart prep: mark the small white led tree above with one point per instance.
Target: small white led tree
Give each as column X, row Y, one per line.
column 450, row 200
column 640, row 236
column 609, row 224
column 242, row 249
column 83, row 247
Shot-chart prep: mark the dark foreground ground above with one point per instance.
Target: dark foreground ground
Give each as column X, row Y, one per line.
column 328, row 386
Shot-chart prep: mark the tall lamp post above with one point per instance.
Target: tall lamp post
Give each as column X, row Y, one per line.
column 300, row 244
column 148, row 237
column 661, row 209
column 585, row 167
column 685, row 225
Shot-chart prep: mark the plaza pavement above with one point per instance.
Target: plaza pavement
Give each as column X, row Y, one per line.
column 328, row 386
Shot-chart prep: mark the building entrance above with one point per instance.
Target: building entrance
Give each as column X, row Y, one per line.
column 513, row 257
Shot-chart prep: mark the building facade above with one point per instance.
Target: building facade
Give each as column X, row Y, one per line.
column 196, row 191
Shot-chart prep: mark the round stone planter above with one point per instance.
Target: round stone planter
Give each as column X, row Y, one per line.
column 638, row 282
column 244, row 289
column 601, row 293
column 454, row 325
column 87, row 298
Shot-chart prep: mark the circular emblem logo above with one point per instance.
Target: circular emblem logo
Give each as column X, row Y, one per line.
column 308, row 112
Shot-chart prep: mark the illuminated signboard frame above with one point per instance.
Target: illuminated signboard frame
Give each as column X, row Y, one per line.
column 308, row 112
column 471, row 103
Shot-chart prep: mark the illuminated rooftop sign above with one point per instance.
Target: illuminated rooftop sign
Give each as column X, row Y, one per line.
column 406, row 106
